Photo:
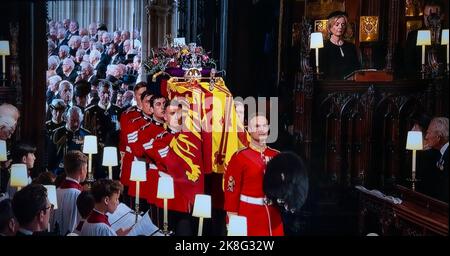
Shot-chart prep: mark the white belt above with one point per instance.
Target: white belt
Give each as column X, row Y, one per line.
column 253, row 200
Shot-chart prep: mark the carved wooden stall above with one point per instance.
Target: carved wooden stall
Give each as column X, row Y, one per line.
column 25, row 69
column 354, row 133
column 417, row 215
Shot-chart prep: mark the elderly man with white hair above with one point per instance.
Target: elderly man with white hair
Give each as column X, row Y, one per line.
column 61, row 36
column 106, row 39
column 99, row 67
column 85, row 44
column 74, row 44
column 66, row 92
column 53, row 63
column 7, row 109
column 86, row 72
column 63, row 53
column 68, row 70
column 7, row 127
column 93, row 30
column 52, row 87
column 437, row 138
column 68, row 137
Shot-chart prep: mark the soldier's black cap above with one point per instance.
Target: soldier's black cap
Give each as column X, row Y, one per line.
column 337, row 13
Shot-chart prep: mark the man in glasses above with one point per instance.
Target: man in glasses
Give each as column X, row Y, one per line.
column 32, row 210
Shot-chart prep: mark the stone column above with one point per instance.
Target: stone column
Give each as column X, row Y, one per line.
column 159, row 12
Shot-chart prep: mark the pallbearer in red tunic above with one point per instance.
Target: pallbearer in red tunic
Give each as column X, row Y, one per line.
column 131, row 134
column 243, row 182
column 66, row 216
column 145, row 136
column 160, row 153
column 126, row 120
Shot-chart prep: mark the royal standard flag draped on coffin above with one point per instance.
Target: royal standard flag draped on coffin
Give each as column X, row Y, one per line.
column 213, row 120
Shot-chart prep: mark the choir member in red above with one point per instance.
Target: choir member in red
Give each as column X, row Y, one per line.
column 106, row 195
column 66, row 216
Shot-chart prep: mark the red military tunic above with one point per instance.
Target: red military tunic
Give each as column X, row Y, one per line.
column 159, row 152
column 244, row 194
column 126, row 117
column 146, row 136
column 131, row 136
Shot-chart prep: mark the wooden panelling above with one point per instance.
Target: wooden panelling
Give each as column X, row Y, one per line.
column 359, row 129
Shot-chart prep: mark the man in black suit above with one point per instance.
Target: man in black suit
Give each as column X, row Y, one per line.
column 32, row 209
column 437, row 138
column 102, row 120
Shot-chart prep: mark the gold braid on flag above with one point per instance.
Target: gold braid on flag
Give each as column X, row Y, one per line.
column 214, row 124
column 186, row 144
column 184, row 153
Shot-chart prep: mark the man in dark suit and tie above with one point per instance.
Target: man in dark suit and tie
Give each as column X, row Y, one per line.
column 32, row 209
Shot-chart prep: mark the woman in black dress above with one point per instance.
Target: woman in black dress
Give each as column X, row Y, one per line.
column 339, row 58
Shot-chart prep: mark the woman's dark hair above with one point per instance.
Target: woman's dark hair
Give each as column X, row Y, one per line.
column 286, row 181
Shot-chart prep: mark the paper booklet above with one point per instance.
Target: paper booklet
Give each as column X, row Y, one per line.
column 124, row 217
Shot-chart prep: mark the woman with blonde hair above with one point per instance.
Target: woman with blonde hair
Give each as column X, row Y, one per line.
column 338, row 57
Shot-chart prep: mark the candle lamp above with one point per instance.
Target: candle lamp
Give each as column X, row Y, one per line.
column 3, row 154
column 444, row 41
column 110, row 159
column 202, row 209
column 316, row 42
column 237, row 226
column 423, row 39
column 19, row 176
column 90, row 147
column 414, row 142
column 138, row 174
column 165, row 191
